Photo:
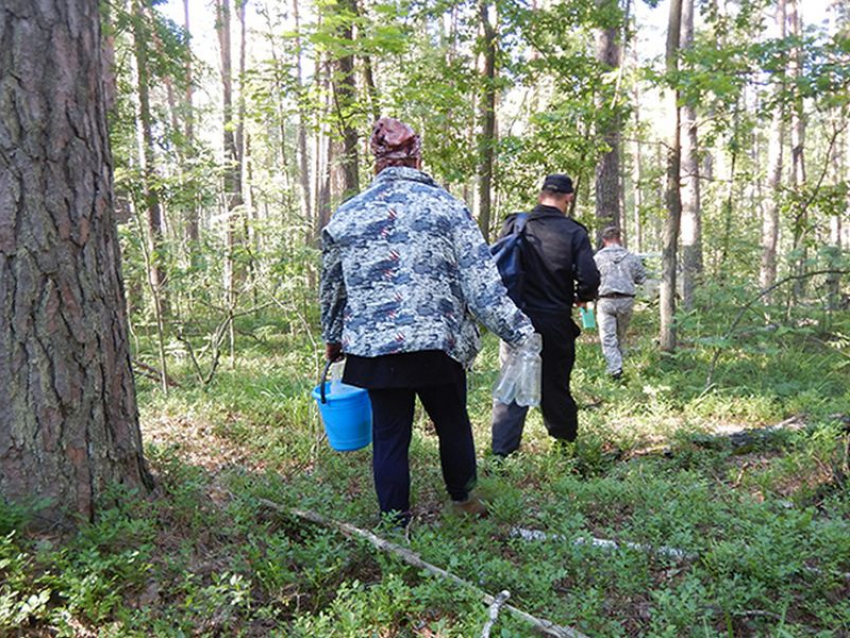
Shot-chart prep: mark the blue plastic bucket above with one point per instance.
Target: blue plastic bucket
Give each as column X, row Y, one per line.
column 347, row 414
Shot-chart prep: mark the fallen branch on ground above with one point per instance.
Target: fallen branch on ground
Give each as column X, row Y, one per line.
column 746, row 438
column 669, row 552
column 152, row 373
column 494, row 612
column 413, row 559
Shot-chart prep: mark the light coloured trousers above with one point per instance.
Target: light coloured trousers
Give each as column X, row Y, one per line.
column 614, row 317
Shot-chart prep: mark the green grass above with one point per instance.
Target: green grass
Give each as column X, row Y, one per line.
column 768, row 523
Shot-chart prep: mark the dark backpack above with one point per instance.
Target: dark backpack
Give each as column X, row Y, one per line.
column 507, row 251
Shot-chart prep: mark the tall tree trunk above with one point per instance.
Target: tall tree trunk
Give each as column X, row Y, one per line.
column 303, row 155
column 232, row 165
column 673, row 195
column 369, row 72
column 798, row 141
column 637, row 166
column 775, row 153
column 343, row 81
column 691, row 216
column 153, row 208
column 324, row 155
column 69, row 423
column 192, row 213
column 242, row 147
column 487, row 141
column 608, row 167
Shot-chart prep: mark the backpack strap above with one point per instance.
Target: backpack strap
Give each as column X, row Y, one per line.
column 519, row 226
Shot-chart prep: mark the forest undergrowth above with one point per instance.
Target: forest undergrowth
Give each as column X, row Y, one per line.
column 762, row 518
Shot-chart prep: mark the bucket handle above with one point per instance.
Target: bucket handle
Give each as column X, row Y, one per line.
column 324, row 379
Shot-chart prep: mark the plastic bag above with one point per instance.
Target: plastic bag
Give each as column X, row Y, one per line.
column 521, row 375
column 588, row 321
column 335, row 375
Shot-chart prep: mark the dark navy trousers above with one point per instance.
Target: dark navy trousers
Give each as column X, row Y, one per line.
column 560, row 412
column 392, row 426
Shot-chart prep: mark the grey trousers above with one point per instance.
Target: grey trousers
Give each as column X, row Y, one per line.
column 614, row 317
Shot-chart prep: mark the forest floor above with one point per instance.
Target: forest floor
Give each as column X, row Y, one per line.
column 762, row 519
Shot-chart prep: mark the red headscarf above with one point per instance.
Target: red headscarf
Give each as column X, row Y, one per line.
column 393, row 143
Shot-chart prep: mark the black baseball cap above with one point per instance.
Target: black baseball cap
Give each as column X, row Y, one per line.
column 558, row 182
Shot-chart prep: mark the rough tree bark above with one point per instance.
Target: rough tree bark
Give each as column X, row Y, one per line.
column 669, row 252
column 691, row 215
column 608, row 167
column 775, row 157
column 487, row 140
column 68, row 417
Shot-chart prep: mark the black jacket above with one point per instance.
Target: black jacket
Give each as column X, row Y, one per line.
column 557, row 261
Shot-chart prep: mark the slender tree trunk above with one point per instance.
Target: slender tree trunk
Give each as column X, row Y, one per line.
column 369, row 72
column 232, row 166
column 303, row 155
column 192, row 213
column 798, row 141
column 487, row 141
column 673, row 195
column 637, row 166
column 68, row 417
column 242, row 149
column 153, row 207
column 608, row 167
column 324, row 157
column 775, row 153
column 691, row 215
column 729, row 203
column 343, row 81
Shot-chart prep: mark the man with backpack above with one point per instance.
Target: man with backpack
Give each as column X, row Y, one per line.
column 621, row 271
column 557, row 272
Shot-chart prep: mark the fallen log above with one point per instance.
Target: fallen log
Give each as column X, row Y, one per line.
column 411, row 558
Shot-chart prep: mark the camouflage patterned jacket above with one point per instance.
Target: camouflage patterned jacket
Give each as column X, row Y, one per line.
column 620, row 271
column 405, row 268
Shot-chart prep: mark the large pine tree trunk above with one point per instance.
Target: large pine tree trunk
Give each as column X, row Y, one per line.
column 68, row 418
column 608, row 167
column 691, row 216
column 669, row 253
column 775, row 152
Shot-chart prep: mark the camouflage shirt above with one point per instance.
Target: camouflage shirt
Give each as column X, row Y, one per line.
column 405, row 269
column 620, row 271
